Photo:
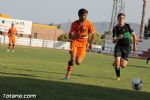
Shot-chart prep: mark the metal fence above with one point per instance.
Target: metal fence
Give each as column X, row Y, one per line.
column 141, row 46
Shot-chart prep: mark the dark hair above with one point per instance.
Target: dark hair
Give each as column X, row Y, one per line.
column 82, row 11
column 120, row 14
column 12, row 24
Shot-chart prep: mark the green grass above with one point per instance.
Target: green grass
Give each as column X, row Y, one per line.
column 41, row 71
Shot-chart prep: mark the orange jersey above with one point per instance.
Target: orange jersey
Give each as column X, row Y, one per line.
column 82, row 31
column 12, row 40
column 12, row 32
column 77, row 49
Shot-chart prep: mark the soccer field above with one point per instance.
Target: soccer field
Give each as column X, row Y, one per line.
column 41, row 71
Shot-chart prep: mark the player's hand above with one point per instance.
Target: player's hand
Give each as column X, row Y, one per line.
column 76, row 36
column 90, row 47
column 115, row 39
column 71, row 36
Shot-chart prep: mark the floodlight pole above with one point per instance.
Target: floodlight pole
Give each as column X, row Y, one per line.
column 118, row 7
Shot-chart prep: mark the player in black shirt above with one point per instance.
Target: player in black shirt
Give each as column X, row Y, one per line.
column 148, row 58
column 122, row 36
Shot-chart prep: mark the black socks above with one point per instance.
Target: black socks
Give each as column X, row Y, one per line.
column 117, row 72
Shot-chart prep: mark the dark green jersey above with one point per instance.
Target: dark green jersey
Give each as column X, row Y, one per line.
column 123, row 34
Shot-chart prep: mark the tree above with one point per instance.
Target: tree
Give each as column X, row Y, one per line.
column 104, row 35
column 59, row 26
column 97, row 40
column 149, row 26
column 64, row 37
column 147, row 29
column 143, row 19
column 146, row 34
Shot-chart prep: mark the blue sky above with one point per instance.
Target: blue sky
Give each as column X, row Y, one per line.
column 59, row 11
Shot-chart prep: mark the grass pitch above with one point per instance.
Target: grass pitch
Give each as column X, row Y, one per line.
column 41, row 71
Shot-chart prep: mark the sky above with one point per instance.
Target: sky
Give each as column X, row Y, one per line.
column 61, row 11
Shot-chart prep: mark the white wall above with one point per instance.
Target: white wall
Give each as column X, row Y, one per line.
column 45, row 43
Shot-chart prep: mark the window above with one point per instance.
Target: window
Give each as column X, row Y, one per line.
column 20, row 35
column 35, row 35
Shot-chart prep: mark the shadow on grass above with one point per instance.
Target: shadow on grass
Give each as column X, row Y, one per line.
column 18, row 74
column 138, row 66
column 54, row 90
column 51, row 72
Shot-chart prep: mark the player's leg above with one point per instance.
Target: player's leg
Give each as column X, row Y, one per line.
column 117, row 55
column 73, row 51
column 80, row 55
column 13, row 44
column 13, row 47
column 123, row 63
column 9, row 47
column 147, row 60
column 70, row 65
column 79, row 60
column 9, row 44
column 117, row 67
column 124, row 58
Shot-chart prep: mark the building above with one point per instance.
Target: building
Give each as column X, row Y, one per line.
column 41, row 31
column 45, row 32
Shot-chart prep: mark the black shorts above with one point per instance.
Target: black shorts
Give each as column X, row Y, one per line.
column 121, row 52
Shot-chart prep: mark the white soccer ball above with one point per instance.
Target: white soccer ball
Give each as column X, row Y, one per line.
column 137, row 84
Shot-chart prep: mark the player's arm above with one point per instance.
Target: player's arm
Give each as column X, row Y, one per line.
column 93, row 32
column 71, row 36
column 71, row 33
column 115, row 40
column 134, row 36
column 134, row 41
column 9, row 33
column 114, row 37
column 92, row 40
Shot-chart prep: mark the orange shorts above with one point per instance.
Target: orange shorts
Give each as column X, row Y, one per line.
column 12, row 40
column 78, row 49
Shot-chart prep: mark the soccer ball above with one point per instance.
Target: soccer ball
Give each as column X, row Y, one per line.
column 137, row 84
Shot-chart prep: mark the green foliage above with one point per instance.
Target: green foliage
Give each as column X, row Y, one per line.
column 64, row 37
column 97, row 40
column 104, row 35
column 59, row 26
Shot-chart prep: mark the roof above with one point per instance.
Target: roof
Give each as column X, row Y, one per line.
column 44, row 26
column 5, row 16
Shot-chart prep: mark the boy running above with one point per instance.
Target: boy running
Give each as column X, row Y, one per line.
column 78, row 35
column 122, row 33
column 148, row 58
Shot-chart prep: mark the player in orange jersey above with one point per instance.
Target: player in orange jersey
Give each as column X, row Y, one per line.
column 12, row 32
column 79, row 36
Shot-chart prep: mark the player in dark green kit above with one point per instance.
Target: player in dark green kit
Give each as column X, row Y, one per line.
column 123, row 34
column 148, row 58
